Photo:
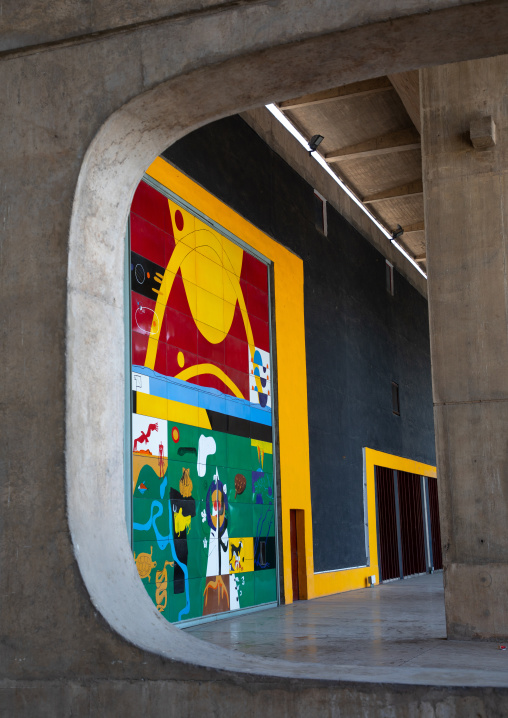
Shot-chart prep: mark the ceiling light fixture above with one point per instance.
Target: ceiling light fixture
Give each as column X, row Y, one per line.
column 321, row 160
column 397, row 233
column 314, row 143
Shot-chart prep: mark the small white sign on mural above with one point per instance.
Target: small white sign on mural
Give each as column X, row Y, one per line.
column 259, row 377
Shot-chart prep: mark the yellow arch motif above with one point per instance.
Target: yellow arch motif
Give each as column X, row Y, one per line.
column 199, row 369
column 202, row 256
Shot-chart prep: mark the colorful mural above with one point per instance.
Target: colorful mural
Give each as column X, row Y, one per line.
column 203, row 488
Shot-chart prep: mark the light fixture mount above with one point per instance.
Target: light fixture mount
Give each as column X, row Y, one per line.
column 314, row 143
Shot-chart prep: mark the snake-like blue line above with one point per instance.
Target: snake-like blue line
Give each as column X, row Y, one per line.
column 163, row 541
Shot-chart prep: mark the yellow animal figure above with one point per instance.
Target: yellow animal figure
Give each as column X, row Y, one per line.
column 186, row 484
column 182, row 523
column 145, row 564
column 161, row 581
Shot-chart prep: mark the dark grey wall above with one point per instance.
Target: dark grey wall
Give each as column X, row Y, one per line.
column 358, row 337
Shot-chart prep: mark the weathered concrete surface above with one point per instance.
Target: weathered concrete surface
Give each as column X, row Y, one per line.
column 56, row 647
column 466, row 215
column 29, row 24
column 249, row 699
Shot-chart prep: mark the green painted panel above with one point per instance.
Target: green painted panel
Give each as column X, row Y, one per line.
column 245, row 586
column 264, row 520
column 144, row 513
column 240, row 520
column 197, row 558
column 239, row 452
column 265, row 589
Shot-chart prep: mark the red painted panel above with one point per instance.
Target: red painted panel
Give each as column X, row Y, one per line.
column 210, row 353
column 150, row 241
column 152, row 206
column 261, row 332
column 238, row 327
column 160, row 360
column 172, row 365
column 254, row 272
column 237, row 354
column 139, row 344
column 179, row 331
column 241, row 379
column 256, row 301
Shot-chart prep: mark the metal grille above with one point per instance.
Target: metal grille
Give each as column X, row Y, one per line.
column 387, row 523
column 435, row 525
column 411, row 524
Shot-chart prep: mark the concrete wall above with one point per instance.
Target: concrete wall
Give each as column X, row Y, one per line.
column 73, row 74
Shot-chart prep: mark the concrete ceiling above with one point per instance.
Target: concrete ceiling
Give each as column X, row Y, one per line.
column 371, row 133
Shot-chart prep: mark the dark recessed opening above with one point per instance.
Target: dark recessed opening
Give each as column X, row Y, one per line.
column 395, row 399
column 320, row 217
column 262, row 553
column 389, row 278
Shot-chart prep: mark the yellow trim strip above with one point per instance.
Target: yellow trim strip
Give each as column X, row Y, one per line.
column 161, row 408
column 199, row 369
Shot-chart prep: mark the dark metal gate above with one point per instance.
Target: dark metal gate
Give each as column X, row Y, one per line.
column 411, row 524
column 387, row 524
column 403, row 527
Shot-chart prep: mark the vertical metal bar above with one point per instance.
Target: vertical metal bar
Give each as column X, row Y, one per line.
column 397, row 518
column 426, row 524
column 377, row 522
column 127, row 424
column 366, row 512
column 275, row 432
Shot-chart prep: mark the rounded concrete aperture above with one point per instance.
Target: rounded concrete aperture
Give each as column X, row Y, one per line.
column 114, row 164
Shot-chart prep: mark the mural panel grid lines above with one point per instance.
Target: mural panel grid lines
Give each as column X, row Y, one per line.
column 203, row 517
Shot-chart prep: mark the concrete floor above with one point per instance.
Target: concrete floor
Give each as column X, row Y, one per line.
column 398, row 624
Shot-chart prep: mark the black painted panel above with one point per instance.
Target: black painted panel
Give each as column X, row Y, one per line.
column 358, row 337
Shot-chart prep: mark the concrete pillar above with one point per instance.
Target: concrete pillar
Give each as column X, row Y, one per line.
column 465, row 153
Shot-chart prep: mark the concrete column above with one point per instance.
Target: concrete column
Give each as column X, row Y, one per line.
column 465, row 153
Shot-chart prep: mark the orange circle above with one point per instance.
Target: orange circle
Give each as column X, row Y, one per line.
column 175, row 435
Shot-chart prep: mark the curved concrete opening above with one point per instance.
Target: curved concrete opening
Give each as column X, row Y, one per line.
column 129, row 140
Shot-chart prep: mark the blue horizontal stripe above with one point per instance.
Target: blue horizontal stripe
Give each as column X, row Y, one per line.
column 205, row 397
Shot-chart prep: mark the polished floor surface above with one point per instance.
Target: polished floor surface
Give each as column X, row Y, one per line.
column 398, row 624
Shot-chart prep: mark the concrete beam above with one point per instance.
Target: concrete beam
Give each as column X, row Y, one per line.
column 415, row 227
column 405, row 190
column 407, row 85
column 346, row 92
column 389, row 143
